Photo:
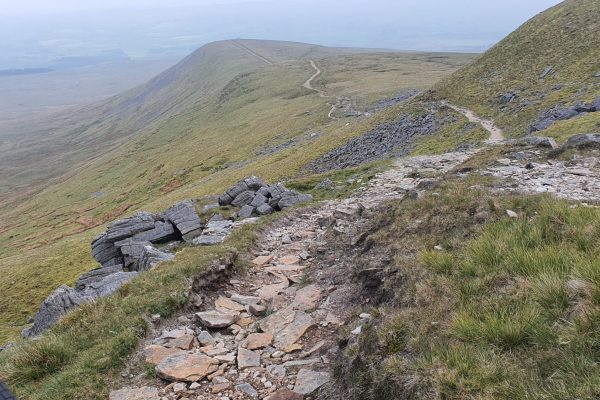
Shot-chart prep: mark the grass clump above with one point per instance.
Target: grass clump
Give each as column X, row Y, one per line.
column 507, row 308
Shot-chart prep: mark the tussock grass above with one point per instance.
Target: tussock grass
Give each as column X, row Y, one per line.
column 510, row 308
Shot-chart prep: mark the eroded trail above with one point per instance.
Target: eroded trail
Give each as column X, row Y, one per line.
column 496, row 134
column 275, row 329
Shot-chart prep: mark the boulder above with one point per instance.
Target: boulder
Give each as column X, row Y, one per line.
column 225, row 199
column 141, row 256
column 259, row 200
column 217, row 319
column 152, row 256
column 237, row 189
column 186, row 367
column 107, row 285
column 162, row 232
column 539, row 141
column 127, row 227
column 185, row 218
column 246, row 211
column 96, row 275
column 265, row 209
column 132, row 251
column 307, row 381
column 254, row 183
column 291, row 198
column 105, row 252
column 587, row 140
column 65, row 298
column 244, row 198
column 55, row 306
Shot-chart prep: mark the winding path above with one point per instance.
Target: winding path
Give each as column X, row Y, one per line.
column 308, row 85
column 496, row 134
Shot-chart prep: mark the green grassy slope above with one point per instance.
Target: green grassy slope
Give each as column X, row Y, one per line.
column 216, row 123
column 508, row 309
column 566, row 38
column 51, row 147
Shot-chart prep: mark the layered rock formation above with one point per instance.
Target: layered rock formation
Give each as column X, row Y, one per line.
column 562, row 113
column 132, row 245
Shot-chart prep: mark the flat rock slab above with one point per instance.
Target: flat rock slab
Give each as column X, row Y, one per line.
column 206, row 240
column 186, row 367
column 217, row 319
column 287, row 327
column 267, row 292
column 308, row 381
column 143, row 393
column 247, row 358
column 155, row 354
column 228, row 304
column 246, row 300
column 261, row 261
column 247, row 389
column 256, row 341
column 307, row 298
column 185, row 342
column 183, row 215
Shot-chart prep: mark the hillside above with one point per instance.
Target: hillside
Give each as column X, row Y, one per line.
column 230, row 109
column 464, row 269
column 545, row 67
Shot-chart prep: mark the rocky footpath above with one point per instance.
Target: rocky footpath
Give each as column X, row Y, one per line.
column 272, row 334
column 138, row 243
column 531, row 171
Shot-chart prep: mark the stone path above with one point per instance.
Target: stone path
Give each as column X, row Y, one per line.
column 528, row 172
column 496, row 134
column 272, row 334
column 308, row 85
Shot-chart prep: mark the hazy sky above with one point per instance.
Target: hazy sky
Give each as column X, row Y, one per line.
column 35, row 33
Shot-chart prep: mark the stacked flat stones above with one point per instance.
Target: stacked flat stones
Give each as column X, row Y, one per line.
column 254, row 197
column 129, row 245
column 126, row 248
